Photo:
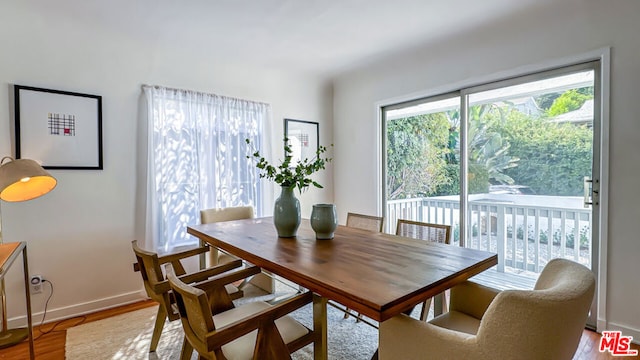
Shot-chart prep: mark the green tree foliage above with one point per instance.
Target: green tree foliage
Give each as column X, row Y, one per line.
column 416, row 152
column 569, row 101
column 554, row 156
column 489, row 154
column 506, row 146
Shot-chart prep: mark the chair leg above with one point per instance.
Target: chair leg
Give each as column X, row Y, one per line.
column 187, row 350
column 161, row 317
column 346, row 313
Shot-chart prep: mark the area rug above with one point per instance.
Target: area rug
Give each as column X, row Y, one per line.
column 127, row 336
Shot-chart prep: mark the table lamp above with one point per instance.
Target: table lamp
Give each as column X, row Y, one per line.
column 20, row 180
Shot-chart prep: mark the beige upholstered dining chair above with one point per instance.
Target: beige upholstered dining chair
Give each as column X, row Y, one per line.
column 207, row 216
column 216, row 329
column 544, row 323
column 157, row 287
column 429, row 232
column 364, row 222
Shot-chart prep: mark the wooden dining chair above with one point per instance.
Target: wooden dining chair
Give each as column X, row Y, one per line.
column 430, row 232
column 216, row 329
column 264, row 281
column 157, row 287
column 424, row 231
column 363, row 222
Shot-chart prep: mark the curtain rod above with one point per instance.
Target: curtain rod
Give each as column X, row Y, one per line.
column 201, row 93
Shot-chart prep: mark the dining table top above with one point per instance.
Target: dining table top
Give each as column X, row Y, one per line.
column 377, row 274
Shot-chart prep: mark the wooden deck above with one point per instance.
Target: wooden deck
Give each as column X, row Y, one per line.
column 506, row 280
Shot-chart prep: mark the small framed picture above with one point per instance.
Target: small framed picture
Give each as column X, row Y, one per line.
column 58, row 129
column 303, row 138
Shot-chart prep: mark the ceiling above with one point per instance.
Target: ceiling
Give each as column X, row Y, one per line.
column 322, row 36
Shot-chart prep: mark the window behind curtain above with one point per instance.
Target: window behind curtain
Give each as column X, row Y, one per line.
column 197, row 159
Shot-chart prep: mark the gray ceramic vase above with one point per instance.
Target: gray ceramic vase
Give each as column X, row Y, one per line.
column 324, row 220
column 286, row 213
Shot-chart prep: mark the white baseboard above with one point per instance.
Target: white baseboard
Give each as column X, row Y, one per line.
column 71, row 311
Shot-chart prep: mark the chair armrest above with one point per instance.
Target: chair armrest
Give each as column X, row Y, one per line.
column 198, row 276
column 221, row 280
column 403, row 337
column 205, row 274
column 230, row 332
column 182, row 254
column 472, row 298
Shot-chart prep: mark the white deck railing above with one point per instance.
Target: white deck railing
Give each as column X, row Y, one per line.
column 556, row 226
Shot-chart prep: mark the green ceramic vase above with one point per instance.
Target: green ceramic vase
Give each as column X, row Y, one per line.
column 324, row 220
column 286, row 213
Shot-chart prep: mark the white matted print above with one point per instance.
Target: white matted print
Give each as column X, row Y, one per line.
column 303, row 138
column 58, row 129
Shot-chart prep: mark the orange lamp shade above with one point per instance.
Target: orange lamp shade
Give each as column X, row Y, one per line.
column 24, row 179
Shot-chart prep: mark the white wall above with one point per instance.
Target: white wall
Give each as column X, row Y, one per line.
column 566, row 28
column 79, row 235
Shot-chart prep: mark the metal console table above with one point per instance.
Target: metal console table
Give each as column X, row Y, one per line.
column 9, row 252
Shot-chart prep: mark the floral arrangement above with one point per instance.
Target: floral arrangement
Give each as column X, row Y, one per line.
column 287, row 175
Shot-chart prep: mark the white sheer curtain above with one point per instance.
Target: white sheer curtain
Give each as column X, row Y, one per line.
column 197, row 159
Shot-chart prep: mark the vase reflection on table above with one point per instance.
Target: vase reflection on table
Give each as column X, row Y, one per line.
column 324, row 220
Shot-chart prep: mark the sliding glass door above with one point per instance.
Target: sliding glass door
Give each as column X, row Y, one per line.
column 512, row 166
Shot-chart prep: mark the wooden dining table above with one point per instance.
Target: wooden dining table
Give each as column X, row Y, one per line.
column 376, row 274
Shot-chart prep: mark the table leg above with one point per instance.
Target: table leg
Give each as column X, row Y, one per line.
column 27, row 291
column 439, row 306
column 320, row 327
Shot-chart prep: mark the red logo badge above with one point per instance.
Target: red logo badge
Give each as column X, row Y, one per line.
column 616, row 344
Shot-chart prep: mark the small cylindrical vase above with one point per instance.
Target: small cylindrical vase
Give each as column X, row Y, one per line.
column 324, row 220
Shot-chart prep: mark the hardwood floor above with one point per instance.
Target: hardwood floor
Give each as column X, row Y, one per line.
column 51, row 345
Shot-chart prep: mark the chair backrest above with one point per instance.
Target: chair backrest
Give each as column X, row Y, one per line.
column 365, row 222
column 195, row 313
column 547, row 321
column 155, row 284
column 424, row 231
column 208, row 216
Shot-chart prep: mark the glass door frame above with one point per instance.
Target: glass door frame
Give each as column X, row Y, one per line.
column 599, row 63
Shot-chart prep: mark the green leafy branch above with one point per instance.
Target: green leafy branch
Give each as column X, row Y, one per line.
column 298, row 176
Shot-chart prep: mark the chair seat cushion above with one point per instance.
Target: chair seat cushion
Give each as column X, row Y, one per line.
column 242, row 348
column 455, row 320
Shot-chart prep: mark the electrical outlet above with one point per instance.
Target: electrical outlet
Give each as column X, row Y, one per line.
column 36, row 284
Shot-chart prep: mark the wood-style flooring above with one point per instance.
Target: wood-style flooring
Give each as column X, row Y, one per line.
column 50, row 346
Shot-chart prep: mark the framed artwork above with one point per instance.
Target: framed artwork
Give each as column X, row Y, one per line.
column 303, row 138
column 58, row 129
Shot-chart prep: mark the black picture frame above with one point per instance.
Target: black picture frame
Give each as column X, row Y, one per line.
column 304, row 138
column 59, row 129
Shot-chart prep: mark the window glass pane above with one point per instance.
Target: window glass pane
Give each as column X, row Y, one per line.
column 423, row 163
column 530, row 149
